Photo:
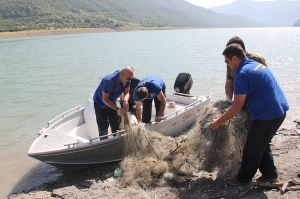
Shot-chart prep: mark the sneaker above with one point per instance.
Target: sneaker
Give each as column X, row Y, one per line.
column 234, row 182
column 263, row 179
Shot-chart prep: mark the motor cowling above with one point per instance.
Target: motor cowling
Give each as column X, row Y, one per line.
column 183, row 83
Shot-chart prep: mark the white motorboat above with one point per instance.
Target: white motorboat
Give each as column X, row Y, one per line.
column 72, row 137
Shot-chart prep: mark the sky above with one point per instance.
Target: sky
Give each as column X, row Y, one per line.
column 212, row 3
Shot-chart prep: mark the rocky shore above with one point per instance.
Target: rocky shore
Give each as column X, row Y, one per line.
column 99, row 181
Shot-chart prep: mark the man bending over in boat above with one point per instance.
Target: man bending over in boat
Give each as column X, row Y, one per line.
column 108, row 91
column 149, row 88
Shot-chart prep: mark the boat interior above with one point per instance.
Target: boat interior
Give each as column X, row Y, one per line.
column 78, row 126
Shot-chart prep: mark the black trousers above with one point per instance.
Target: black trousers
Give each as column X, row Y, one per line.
column 106, row 117
column 147, row 107
column 257, row 153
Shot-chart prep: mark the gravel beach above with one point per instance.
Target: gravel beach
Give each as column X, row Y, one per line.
column 98, row 181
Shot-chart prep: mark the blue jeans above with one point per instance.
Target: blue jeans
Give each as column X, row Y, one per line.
column 257, row 153
column 106, row 117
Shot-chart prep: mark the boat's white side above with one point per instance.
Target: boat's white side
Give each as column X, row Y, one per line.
column 72, row 138
column 178, row 119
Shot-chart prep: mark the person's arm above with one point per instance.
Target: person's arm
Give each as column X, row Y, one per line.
column 126, row 98
column 138, row 110
column 163, row 102
column 229, row 89
column 231, row 112
column 229, row 83
column 110, row 103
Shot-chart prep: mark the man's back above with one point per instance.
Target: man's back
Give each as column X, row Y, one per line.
column 265, row 99
column 256, row 57
column 133, row 84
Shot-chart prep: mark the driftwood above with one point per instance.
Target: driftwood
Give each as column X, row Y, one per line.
column 288, row 183
column 281, row 186
column 284, row 186
column 266, row 184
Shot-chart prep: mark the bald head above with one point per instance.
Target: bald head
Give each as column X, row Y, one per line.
column 126, row 75
column 128, row 71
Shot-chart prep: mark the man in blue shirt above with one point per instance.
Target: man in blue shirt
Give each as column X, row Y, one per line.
column 149, row 88
column 256, row 86
column 230, row 74
column 105, row 96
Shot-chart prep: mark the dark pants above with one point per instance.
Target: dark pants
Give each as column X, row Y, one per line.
column 147, row 107
column 106, row 117
column 257, row 153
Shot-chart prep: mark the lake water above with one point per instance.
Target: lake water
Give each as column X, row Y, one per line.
column 42, row 77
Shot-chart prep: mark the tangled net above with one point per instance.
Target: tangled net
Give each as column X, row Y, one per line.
column 152, row 159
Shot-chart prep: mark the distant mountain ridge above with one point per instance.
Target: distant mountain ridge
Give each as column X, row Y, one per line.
column 297, row 23
column 272, row 13
column 18, row 15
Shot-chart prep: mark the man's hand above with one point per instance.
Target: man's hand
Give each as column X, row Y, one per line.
column 215, row 124
column 158, row 118
column 125, row 105
column 228, row 98
column 120, row 111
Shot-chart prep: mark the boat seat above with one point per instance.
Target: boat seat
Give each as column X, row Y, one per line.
column 90, row 119
column 79, row 132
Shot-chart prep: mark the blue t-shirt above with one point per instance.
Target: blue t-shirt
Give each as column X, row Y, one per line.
column 110, row 85
column 153, row 84
column 264, row 97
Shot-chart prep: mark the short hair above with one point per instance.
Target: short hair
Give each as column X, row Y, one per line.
column 142, row 93
column 236, row 40
column 234, row 50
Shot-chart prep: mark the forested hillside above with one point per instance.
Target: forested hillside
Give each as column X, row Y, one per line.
column 16, row 15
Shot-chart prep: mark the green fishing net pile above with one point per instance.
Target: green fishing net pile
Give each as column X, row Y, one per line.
column 152, row 159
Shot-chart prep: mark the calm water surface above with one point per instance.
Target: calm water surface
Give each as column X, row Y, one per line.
column 42, row 77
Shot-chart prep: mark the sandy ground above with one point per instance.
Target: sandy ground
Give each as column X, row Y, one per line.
column 35, row 33
column 98, row 181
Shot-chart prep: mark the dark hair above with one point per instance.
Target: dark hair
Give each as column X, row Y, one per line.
column 142, row 93
column 236, row 40
column 234, row 50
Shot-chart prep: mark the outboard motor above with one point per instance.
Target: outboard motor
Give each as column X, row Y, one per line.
column 183, row 83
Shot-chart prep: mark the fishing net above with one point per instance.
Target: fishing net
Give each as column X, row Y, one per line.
column 152, row 159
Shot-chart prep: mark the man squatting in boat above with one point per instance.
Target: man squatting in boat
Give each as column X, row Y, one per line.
column 105, row 96
column 256, row 86
column 149, row 88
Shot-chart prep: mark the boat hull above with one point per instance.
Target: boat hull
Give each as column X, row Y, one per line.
column 89, row 154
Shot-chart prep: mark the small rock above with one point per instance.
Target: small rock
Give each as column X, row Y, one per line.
column 58, row 192
column 110, row 179
column 297, row 121
column 86, row 183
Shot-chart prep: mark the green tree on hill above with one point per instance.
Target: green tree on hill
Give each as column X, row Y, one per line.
column 50, row 14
